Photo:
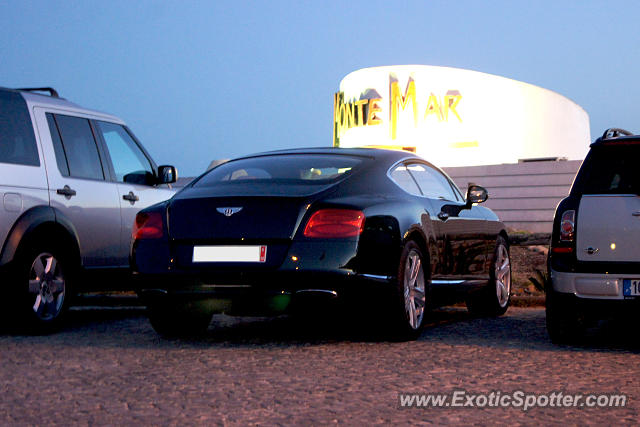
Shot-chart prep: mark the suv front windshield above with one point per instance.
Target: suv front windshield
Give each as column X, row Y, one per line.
column 301, row 169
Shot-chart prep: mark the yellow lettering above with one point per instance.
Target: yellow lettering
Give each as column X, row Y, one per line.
column 337, row 98
column 363, row 112
column 398, row 99
column 450, row 104
column 350, row 117
column 360, row 106
column 374, row 108
column 343, row 118
column 433, row 107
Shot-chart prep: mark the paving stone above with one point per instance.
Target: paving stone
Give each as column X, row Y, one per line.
column 108, row 367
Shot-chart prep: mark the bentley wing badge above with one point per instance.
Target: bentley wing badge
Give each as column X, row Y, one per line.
column 229, row 211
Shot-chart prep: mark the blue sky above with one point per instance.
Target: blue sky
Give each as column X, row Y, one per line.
column 198, row 81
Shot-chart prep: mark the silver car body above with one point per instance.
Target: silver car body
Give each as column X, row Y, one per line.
column 101, row 217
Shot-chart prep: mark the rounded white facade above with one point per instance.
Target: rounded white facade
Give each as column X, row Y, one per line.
column 455, row 117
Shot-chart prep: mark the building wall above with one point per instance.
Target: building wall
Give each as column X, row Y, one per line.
column 523, row 195
column 455, row 117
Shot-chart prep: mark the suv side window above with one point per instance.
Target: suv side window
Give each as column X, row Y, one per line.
column 129, row 162
column 403, row 178
column 61, row 158
column 77, row 144
column 432, row 183
column 17, row 140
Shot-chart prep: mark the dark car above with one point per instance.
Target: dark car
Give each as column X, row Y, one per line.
column 264, row 232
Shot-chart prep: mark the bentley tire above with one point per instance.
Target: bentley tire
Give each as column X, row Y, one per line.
column 494, row 300
column 412, row 293
column 172, row 319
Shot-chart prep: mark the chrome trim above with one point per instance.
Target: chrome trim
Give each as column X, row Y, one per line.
column 447, row 282
column 228, row 211
column 376, row 277
column 322, row 291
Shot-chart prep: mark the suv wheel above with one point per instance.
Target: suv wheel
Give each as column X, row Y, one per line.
column 565, row 324
column 494, row 299
column 44, row 286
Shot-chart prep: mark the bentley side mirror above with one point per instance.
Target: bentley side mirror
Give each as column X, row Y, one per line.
column 167, row 174
column 476, row 194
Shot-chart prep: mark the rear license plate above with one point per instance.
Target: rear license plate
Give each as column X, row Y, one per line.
column 631, row 287
column 229, row 253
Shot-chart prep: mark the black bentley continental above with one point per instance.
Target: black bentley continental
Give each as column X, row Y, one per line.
column 262, row 233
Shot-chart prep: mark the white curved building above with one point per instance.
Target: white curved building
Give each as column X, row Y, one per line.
column 471, row 124
column 456, row 117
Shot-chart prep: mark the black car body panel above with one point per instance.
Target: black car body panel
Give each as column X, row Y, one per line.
column 276, row 214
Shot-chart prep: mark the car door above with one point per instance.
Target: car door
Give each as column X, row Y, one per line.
column 404, row 179
column 78, row 187
column 133, row 173
column 462, row 231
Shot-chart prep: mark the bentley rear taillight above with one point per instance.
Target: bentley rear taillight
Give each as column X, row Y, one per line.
column 335, row 223
column 148, row 225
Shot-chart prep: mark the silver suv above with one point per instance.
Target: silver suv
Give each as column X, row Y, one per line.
column 594, row 259
column 71, row 183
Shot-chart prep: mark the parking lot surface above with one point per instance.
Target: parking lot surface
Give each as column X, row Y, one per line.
column 107, row 366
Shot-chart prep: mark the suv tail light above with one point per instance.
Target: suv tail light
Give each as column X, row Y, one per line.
column 335, row 223
column 567, row 232
column 148, row 225
column 568, row 226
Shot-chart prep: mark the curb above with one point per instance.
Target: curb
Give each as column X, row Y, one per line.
column 527, row 301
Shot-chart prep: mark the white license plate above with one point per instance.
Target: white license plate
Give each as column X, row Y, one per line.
column 230, row 253
column 631, row 287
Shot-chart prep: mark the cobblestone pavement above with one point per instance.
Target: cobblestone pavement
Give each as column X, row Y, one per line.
column 109, row 367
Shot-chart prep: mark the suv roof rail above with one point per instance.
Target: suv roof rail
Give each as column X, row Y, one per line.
column 52, row 91
column 616, row 136
column 615, row 132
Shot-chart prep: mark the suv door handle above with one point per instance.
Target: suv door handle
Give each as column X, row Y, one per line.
column 443, row 216
column 66, row 191
column 131, row 197
column 636, row 213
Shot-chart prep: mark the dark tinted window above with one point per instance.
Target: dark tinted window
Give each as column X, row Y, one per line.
column 286, row 168
column 610, row 169
column 61, row 158
column 432, row 183
column 403, row 178
column 17, row 140
column 129, row 162
column 79, row 147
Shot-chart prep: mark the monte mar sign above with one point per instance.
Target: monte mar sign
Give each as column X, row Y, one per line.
column 367, row 111
column 456, row 117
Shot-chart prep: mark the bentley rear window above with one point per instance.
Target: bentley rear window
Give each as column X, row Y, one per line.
column 286, row 168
